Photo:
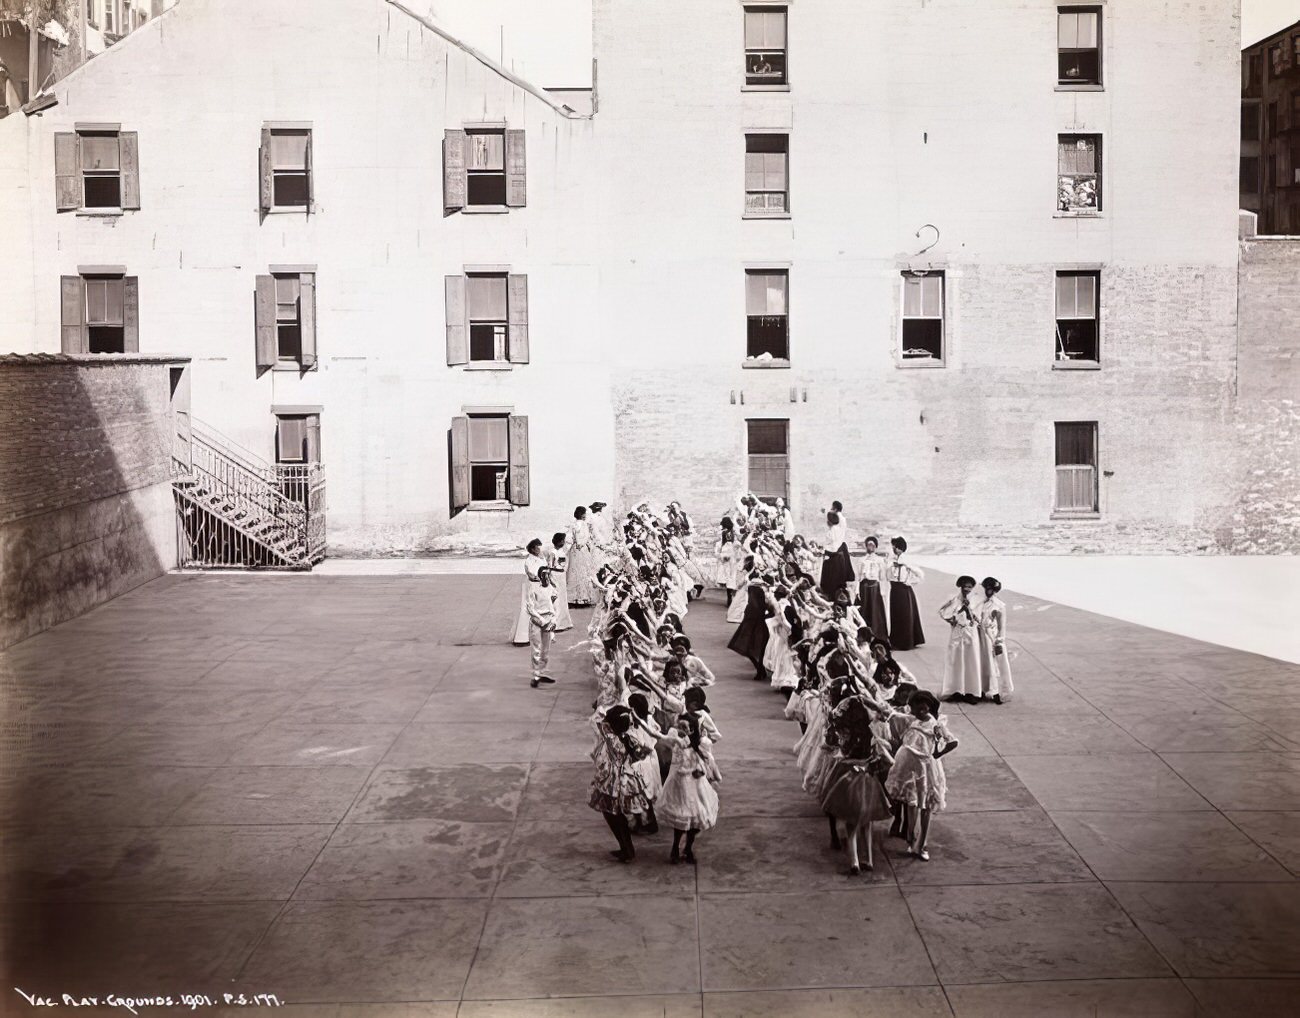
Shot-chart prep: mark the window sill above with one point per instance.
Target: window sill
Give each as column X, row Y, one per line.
column 100, row 213
column 293, row 366
column 1076, row 215
column 920, row 362
column 1076, row 365
column 485, row 210
column 289, row 210
column 1081, row 87
column 1057, row 517
column 765, row 88
column 775, row 362
column 765, row 215
column 489, row 507
column 489, row 366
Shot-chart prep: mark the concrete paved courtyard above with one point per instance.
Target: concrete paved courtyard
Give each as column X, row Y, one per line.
column 341, row 791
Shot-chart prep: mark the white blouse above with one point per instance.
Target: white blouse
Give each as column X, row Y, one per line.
column 901, row 572
column 872, row 568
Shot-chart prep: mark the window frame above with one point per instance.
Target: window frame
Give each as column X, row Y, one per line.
column 1075, row 85
column 87, row 278
column 922, row 362
column 746, row 211
column 472, row 174
column 1060, row 363
column 1099, row 175
column 501, row 351
column 305, row 172
column 283, row 361
column 96, row 174
column 767, row 270
column 502, row 480
column 764, row 7
column 749, row 459
column 1059, row 513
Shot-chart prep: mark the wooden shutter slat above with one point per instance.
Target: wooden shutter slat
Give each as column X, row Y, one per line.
column 519, row 487
column 455, row 185
column 67, row 171
column 130, row 314
column 313, row 438
column 264, row 316
column 458, row 463
column 457, row 330
column 130, row 148
column 266, row 193
column 72, row 300
column 307, row 317
column 516, row 175
column 518, row 311
column 311, row 190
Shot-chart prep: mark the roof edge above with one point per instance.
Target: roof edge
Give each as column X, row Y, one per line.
column 489, row 63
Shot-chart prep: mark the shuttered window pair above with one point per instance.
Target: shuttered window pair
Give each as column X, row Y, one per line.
column 489, row 460
column 285, row 319
column 484, row 168
column 487, row 318
column 285, row 168
column 100, row 313
column 923, row 332
column 97, row 169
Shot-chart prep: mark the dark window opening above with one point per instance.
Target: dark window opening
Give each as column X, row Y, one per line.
column 1078, row 42
column 106, row 339
column 485, row 167
column 290, row 190
column 289, row 342
column 487, row 342
column 923, row 339
column 1250, row 174
column 489, row 482
column 767, row 333
column 103, row 192
column 487, row 189
column 765, row 45
column 1250, row 122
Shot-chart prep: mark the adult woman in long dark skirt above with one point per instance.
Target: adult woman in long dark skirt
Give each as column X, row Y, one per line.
column 870, row 602
column 750, row 638
column 837, row 566
column 905, row 630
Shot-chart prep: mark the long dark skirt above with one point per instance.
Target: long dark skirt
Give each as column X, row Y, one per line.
column 872, row 606
column 904, row 618
column 837, row 571
column 750, row 638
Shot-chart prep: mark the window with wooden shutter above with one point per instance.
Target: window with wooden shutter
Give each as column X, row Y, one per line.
column 1078, row 173
column 130, row 314
column 458, row 463
column 457, row 333
column 265, row 192
column 516, row 176
column 67, row 172
column 922, row 326
column 130, row 169
column 518, row 310
column 1076, row 467
column 488, row 458
column 519, row 487
column 72, row 303
column 289, row 167
column 106, row 313
column 307, row 318
column 485, row 167
column 454, row 183
column 264, row 313
column 101, row 169
column 487, row 300
column 291, row 438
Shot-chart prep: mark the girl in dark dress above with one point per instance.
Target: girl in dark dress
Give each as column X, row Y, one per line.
column 837, row 566
column 905, row 631
column 870, row 601
column 750, row 638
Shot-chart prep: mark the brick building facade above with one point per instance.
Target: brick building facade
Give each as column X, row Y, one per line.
column 935, row 262
column 1270, row 131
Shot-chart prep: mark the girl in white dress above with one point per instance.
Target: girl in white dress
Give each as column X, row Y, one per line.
column 994, row 660
column 688, row 800
column 961, row 665
column 557, row 561
column 916, row 778
column 532, row 563
column 647, row 733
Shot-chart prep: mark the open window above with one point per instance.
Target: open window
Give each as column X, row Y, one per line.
column 1078, row 45
column 487, row 318
column 97, row 169
column 297, row 438
column 767, row 318
column 1078, row 190
column 488, row 461
column 768, row 458
column 100, row 312
column 1078, row 319
column 923, row 321
column 1076, row 468
column 285, row 320
column 765, row 45
column 286, row 169
column 484, row 168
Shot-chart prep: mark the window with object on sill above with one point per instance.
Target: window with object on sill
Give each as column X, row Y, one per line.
column 1076, row 467
column 1078, row 173
column 488, row 461
column 488, row 318
column 485, row 167
column 923, row 324
column 767, row 315
column 288, row 321
column 97, row 170
column 1078, row 317
column 767, row 161
column 765, row 45
column 1078, row 45
column 284, row 318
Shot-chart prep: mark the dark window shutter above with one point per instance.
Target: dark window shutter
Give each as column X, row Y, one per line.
column 73, row 315
column 311, row 180
column 307, row 317
column 264, row 314
column 458, row 463
column 457, row 330
column 519, row 491
column 130, row 148
column 313, row 438
column 516, row 189
column 130, row 314
column 517, row 303
column 455, row 186
column 67, row 172
column 266, row 193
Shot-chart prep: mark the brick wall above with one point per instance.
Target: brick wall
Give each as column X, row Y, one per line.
column 86, row 508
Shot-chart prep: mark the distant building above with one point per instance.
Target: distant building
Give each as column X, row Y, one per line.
column 1270, row 131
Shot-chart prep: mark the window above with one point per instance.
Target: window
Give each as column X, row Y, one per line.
column 1078, row 317
column 484, row 168
column 92, row 13
column 1275, row 60
column 1249, row 175
column 286, row 169
column 1078, row 173
column 100, row 312
column 767, row 160
column 923, row 316
column 1272, row 120
column 1078, row 45
column 97, row 168
column 765, row 45
column 487, row 318
column 1295, row 109
column 488, row 460
column 768, row 446
column 1254, row 65
column 285, row 319
column 109, row 20
column 297, row 438
column 1250, row 121
column 767, row 317
column 1076, row 467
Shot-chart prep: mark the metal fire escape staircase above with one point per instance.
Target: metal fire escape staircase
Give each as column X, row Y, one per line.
column 235, row 510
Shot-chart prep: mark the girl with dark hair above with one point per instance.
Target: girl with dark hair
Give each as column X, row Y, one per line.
column 724, row 552
column 688, row 800
column 736, row 609
column 750, row 639
column 852, row 791
column 905, row 631
column 837, row 566
column 647, row 733
column 532, row 563
column 994, row 661
column 961, row 665
column 557, row 562
column 870, row 600
column 916, row 779
column 617, row 790
column 582, row 563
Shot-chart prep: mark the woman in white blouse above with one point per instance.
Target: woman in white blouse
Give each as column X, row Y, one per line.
column 905, row 630
column 837, row 567
column 995, row 664
column 870, row 601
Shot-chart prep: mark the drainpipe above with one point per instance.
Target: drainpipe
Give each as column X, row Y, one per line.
column 33, row 54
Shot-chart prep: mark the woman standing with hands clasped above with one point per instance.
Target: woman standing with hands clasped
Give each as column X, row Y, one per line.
column 961, row 667
column 905, row 631
column 994, row 662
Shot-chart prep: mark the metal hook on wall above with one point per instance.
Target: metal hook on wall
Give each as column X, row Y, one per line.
column 927, row 226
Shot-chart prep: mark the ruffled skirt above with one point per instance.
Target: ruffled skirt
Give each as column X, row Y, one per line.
column 686, row 802
column 853, row 794
column 917, row 780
